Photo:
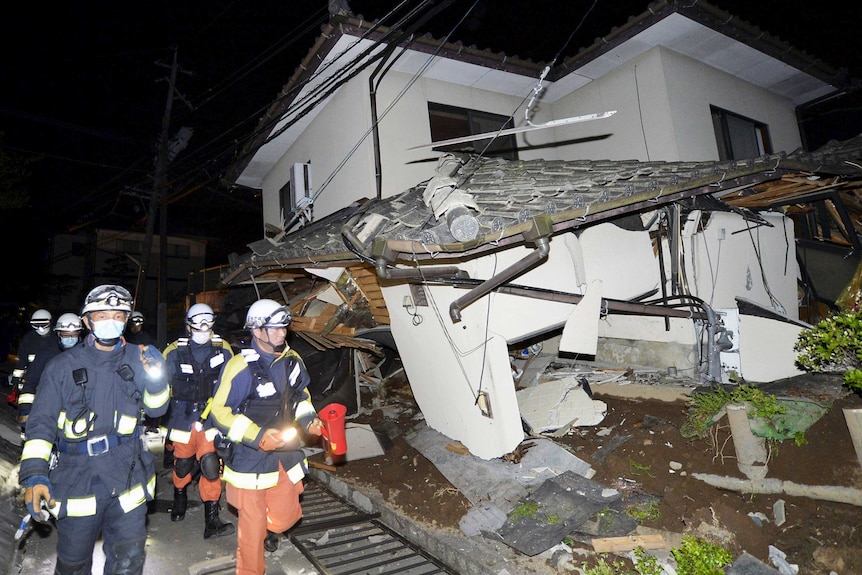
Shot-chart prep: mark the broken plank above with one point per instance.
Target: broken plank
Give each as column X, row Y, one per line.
column 311, row 341
column 320, row 339
column 371, row 292
column 628, row 543
column 318, row 465
column 362, row 272
column 347, row 341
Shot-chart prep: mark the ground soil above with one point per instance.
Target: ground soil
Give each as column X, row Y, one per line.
column 632, row 449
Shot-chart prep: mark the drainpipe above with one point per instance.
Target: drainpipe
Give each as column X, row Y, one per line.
column 538, row 235
column 375, row 130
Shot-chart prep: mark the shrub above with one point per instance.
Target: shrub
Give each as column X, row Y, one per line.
column 834, row 346
column 697, row 556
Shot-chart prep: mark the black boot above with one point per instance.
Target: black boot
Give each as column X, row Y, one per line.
column 214, row 526
column 271, row 541
column 181, row 500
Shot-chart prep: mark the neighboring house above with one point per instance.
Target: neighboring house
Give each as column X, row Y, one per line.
column 80, row 261
column 615, row 239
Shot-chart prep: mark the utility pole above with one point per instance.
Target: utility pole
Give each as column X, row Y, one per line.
column 159, row 202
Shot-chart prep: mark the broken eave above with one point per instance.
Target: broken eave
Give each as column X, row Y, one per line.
column 515, row 202
column 392, row 250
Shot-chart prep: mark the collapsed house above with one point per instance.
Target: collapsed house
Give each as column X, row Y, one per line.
column 665, row 261
column 653, row 258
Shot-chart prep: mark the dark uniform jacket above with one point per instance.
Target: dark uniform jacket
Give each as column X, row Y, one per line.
column 194, row 371
column 258, row 391
column 31, row 347
column 87, row 413
column 34, row 371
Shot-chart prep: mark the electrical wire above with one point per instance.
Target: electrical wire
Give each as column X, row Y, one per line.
column 776, row 304
column 539, row 87
column 197, row 162
column 317, row 96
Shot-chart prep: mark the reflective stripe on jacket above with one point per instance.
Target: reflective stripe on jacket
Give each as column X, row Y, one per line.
column 89, row 404
column 194, row 371
column 284, row 373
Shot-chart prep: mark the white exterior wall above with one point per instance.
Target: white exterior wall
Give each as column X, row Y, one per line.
column 729, row 255
column 346, row 119
column 722, row 261
column 661, row 98
column 641, row 129
column 692, row 87
column 325, row 143
column 719, row 266
column 662, row 101
column 407, row 125
column 448, row 363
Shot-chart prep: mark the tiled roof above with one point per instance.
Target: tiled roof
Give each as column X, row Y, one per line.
column 507, row 198
column 712, row 17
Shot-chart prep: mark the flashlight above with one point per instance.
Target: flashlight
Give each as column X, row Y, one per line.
column 289, row 434
column 152, row 365
column 25, row 521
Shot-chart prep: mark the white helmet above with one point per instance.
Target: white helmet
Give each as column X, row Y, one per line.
column 267, row 313
column 68, row 322
column 137, row 318
column 200, row 317
column 107, row 298
column 41, row 321
column 40, row 318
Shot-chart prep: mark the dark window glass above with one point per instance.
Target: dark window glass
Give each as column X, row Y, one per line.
column 739, row 137
column 449, row 122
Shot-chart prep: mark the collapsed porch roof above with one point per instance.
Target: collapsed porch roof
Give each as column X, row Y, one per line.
column 512, row 198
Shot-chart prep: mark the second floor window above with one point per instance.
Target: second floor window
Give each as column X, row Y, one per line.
column 449, row 122
column 739, row 137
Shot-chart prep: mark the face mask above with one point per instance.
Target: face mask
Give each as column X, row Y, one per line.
column 108, row 329
column 200, row 336
column 68, row 342
column 43, row 330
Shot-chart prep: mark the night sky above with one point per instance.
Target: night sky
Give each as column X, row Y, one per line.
column 84, row 90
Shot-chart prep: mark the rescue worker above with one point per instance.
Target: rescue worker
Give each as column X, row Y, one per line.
column 262, row 408
column 194, row 364
column 88, row 410
column 135, row 332
column 34, row 342
column 68, row 330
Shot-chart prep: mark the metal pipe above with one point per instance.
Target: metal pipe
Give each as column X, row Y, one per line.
column 713, row 351
column 420, row 274
column 661, row 271
column 510, row 273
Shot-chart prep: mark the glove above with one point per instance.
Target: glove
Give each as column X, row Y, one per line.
column 315, row 427
column 272, row 440
column 37, row 493
column 155, row 379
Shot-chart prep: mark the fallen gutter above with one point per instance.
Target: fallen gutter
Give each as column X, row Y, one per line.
column 538, row 235
column 834, row 493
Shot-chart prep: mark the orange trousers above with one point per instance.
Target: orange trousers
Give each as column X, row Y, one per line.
column 198, row 445
column 275, row 509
